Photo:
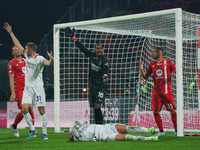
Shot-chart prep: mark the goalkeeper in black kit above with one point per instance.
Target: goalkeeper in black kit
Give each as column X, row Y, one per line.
column 98, row 75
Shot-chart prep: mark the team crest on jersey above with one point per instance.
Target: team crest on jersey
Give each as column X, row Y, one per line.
column 159, row 72
column 23, row 69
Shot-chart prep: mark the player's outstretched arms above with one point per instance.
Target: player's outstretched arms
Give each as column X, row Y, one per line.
column 50, row 61
column 70, row 33
column 14, row 39
column 145, row 75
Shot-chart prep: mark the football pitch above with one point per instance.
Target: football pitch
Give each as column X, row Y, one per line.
column 59, row 141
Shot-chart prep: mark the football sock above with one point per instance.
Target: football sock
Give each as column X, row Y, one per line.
column 158, row 120
column 44, row 123
column 132, row 129
column 33, row 118
column 18, row 118
column 98, row 116
column 29, row 121
column 129, row 137
column 174, row 120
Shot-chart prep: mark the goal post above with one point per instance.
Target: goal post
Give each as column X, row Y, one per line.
column 127, row 40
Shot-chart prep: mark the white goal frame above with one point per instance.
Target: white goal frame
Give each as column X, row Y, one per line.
column 179, row 60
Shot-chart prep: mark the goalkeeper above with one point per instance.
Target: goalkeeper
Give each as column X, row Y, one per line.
column 82, row 131
column 98, row 75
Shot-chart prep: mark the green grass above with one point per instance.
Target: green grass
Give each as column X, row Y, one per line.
column 59, row 141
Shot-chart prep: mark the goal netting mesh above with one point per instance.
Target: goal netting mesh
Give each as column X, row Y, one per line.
column 126, row 42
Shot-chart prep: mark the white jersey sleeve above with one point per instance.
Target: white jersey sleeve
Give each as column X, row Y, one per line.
column 78, row 122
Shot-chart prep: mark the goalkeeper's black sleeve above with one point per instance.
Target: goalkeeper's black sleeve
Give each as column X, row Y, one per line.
column 83, row 48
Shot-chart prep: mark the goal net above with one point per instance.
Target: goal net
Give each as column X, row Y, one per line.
column 127, row 40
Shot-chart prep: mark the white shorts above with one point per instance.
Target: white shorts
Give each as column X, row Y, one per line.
column 111, row 131
column 34, row 95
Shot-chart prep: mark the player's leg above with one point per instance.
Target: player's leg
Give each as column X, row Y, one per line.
column 44, row 122
column 123, row 129
column 99, row 100
column 26, row 102
column 19, row 116
column 40, row 101
column 128, row 137
column 98, row 113
column 169, row 103
column 156, row 105
column 32, row 114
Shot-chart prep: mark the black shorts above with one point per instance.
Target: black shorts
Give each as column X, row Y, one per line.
column 97, row 96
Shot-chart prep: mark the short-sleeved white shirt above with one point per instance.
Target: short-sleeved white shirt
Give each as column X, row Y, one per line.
column 34, row 69
column 95, row 132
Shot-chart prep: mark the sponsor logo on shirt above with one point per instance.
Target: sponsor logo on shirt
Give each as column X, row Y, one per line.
column 95, row 67
column 10, row 67
column 158, row 64
column 159, row 72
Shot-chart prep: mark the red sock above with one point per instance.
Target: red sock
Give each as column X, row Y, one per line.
column 33, row 118
column 18, row 118
column 158, row 121
column 174, row 120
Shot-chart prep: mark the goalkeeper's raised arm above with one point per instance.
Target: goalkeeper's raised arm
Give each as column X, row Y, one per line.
column 98, row 75
column 70, row 33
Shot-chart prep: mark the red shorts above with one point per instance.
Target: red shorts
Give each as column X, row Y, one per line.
column 158, row 99
column 18, row 95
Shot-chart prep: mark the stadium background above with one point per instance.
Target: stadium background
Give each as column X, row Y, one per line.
column 33, row 21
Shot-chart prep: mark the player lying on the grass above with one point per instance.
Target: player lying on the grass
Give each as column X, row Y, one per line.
column 82, row 131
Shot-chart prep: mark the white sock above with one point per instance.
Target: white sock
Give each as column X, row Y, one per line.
column 29, row 121
column 129, row 137
column 44, row 123
column 132, row 129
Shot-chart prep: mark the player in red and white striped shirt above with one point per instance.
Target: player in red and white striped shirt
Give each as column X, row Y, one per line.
column 16, row 72
column 162, row 93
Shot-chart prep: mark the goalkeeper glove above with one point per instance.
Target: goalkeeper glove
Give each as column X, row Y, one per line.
column 105, row 79
column 70, row 33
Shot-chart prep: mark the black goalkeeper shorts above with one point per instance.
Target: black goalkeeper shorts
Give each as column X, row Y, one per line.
column 97, row 96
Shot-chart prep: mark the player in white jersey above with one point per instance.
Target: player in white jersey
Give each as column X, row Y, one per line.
column 33, row 90
column 82, row 131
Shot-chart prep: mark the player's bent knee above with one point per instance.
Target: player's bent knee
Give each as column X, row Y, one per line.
column 41, row 110
column 24, row 109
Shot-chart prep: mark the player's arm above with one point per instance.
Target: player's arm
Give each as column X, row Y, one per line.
column 12, row 87
column 78, row 122
column 70, row 33
column 105, row 72
column 50, row 61
column 14, row 39
column 144, row 74
column 77, row 136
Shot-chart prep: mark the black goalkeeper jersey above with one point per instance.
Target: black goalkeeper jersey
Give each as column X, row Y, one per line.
column 97, row 67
